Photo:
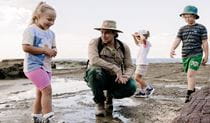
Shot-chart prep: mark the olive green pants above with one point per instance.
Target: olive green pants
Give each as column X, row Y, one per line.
column 99, row 80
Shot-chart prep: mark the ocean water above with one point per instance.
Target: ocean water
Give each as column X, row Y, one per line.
column 151, row 60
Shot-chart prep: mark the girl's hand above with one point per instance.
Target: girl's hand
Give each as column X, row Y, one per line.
column 55, row 52
column 136, row 37
column 49, row 52
column 135, row 34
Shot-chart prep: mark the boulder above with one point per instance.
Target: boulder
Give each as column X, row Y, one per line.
column 197, row 110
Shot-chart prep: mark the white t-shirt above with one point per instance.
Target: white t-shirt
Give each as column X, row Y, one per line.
column 142, row 54
column 37, row 37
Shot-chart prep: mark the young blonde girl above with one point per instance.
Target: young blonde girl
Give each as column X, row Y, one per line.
column 39, row 47
column 144, row 45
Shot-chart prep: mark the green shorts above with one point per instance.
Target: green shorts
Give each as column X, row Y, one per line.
column 192, row 62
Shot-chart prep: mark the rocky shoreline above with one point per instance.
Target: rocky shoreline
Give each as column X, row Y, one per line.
column 13, row 68
column 72, row 99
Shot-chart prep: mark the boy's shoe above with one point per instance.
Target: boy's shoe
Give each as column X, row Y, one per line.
column 149, row 90
column 140, row 94
column 188, row 97
column 100, row 110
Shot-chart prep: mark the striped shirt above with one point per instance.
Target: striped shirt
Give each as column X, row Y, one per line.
column 192, row 37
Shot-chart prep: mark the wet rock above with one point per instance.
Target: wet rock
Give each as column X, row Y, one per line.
column 82, row 62
column 197, row 110
column 53, row 65
column 11, row 69
column 7, row 106
column 2, row 75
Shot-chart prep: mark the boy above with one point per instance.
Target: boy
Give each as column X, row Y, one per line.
column 194, row 38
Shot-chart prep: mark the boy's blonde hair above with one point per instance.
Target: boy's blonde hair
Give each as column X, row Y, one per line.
column 41, row 7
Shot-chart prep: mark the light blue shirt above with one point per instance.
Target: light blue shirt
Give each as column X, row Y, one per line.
column 37, row 37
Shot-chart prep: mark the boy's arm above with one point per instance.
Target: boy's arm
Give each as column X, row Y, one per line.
column 206, row 51
column 174, row 46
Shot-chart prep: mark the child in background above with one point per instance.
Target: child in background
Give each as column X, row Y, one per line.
column 142, row 63
column 194, row 40
column 39, row 47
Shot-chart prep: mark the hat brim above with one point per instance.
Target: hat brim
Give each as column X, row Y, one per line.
column 197, row 17
column 109, row 29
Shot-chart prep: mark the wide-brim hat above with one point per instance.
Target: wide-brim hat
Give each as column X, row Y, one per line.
column 109, row 25
column 190, row 10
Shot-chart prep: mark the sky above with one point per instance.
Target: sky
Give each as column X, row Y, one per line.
column 77, row 18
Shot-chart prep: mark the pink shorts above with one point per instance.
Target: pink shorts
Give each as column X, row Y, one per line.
column 40, row 78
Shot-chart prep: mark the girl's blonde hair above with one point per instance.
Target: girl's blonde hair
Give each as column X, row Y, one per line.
column 41, row 8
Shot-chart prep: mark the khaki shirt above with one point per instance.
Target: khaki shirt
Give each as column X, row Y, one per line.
column 110, row 59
